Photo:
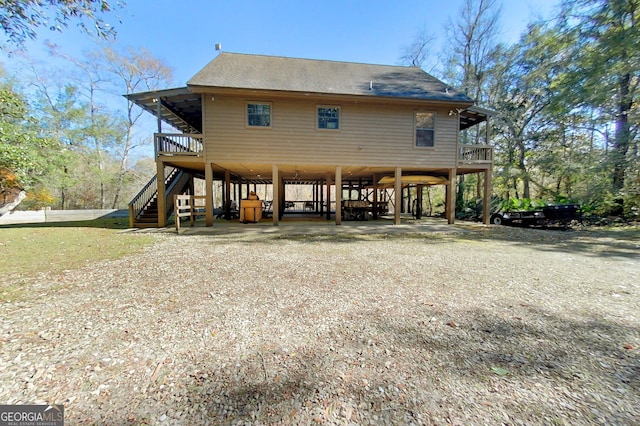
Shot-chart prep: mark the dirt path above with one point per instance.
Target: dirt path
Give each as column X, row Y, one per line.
column 485, row 325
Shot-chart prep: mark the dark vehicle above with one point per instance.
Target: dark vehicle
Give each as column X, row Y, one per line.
column 560, row 215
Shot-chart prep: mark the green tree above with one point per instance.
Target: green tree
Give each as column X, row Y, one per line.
column 20, row 19
column 604, row 75
column 86, row 135
column 112, row 71
column 521, row 89
column 97, row 127
column 22, row 151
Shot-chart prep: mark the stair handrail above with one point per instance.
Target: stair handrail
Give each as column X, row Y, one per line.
column 172, row 181
column 146, row 195
column 142, row 199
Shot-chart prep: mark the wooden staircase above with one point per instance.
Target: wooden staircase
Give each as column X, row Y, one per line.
column 143, row 209
column 148, row 218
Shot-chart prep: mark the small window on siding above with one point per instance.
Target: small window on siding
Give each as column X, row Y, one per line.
column 425, row 129
column 329, row 117
column 258, row 114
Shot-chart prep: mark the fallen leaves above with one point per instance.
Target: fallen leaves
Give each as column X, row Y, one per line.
column 500, row 371
column 267, row 341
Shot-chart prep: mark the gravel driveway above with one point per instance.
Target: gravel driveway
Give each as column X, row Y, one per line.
column 337, row 325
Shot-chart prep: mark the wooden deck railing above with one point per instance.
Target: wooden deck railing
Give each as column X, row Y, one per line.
column 178, row 143
column 474, row 154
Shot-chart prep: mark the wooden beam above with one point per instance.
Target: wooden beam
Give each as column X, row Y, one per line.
column 321, row 198
column 398, row 196
column 328, row 197
column 374, row 205
column 450, row 201
column 176, row 113
column 227, row 195
column 192, row 184
column 275, row 203
column 339, row 195
column 409, row 206
column 162, row 199
column 418, row 212
column 451, row 197
column 487, row 131
column 208, row 193
column 283, row 194
column 159, row 113
column 486, row 208
column 447, row 188
column 315, row 196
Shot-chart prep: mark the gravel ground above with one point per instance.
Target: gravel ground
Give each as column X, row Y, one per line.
column 337, row 325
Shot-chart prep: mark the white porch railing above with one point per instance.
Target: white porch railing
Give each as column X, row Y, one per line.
column 178, row 143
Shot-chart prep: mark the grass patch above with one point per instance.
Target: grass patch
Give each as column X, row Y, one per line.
column 105, row 223
column 31, row 249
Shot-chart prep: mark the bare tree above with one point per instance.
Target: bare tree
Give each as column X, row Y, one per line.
column 100, row 78
column 134, row 71
column 470, row 40
column 418, row 51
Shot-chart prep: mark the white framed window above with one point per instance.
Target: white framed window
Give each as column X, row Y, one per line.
column 328, row 117
column 259, row 114
column 425, row 126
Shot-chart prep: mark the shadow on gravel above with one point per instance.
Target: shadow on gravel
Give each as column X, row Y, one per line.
column 315, row 385
column 580, row 371
column 621, row 243
column 532, row 367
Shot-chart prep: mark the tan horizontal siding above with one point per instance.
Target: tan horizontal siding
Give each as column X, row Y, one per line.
column 369, row 135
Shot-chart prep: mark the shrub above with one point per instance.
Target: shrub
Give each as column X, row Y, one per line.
column 38, row 199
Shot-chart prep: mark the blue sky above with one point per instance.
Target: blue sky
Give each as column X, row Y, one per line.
column 184, row 33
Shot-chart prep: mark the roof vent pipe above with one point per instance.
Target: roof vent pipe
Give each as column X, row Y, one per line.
column 219, row 47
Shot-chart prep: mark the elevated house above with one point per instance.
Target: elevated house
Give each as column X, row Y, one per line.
column 250, row 119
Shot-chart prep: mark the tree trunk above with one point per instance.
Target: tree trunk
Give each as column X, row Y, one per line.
column 120, row 181
column 622, row 134
column 123, row 163
column 460, row 192
column 101, row 169
column 526, row 193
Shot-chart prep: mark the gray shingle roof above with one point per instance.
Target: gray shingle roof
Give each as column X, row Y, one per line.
column 241, row 71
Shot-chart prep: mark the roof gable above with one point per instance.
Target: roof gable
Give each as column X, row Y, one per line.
column 256, row 72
